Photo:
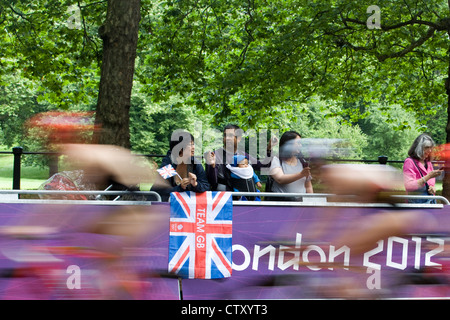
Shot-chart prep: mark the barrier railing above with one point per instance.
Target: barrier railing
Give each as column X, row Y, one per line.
column 96, row 193
column 307, row 199
column 322, row 199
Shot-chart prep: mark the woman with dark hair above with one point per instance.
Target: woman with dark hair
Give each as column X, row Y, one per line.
column 190, row 173
column 418, row 174
column 290, row 173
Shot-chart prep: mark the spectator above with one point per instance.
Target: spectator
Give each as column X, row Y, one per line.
column 216, row 161
column 290, row 172
column 181, row 157
column 418, row 173
column 243, row 177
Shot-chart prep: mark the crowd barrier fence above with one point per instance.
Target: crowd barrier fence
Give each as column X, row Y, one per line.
column 307, row 198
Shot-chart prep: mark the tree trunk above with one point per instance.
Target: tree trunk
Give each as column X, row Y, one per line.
column 120, row 37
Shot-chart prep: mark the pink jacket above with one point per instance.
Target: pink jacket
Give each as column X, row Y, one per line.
column 411, row 174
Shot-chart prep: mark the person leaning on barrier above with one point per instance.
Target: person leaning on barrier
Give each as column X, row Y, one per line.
column 181, row 157
column 216, row 161
column 290, row 172
column 418, row 173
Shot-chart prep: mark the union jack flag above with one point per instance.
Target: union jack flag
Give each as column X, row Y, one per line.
column 200, row 243
column 167, row 171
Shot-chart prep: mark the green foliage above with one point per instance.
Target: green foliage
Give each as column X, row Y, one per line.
column 246, row 61
column 390, row 132
column 152, row 124
column 18, row 102
column 319, row 119
column 434, row 123
column 259, row 64
column 38, row 41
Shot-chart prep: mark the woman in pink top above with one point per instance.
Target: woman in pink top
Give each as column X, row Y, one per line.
column 418, row 174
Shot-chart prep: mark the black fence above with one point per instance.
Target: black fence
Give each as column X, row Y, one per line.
column 18, row 152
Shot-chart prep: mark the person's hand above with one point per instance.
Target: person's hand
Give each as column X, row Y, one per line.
column 432, row 190
column 184, row 183
column 306, row 172
column 434, row 174
column 192, row 179
column 259, row 185
column 211, row 159
column 273, row 142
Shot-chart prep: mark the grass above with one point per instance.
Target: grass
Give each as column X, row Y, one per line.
column 31, row 177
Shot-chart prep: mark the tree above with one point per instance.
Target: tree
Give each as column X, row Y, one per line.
column 62, row 47
column 390, row 132
column 316, row 119
column 40, row 43
column 244, row 61
column 411, row 47
column 153, row 124
column 17, row 104
column 120, row 37
column 251, row 59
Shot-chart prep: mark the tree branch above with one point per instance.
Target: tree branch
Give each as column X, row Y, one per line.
column 93, row 4
column 441, row 26
column 251, row 38
column 20, row 14
column 408, row 49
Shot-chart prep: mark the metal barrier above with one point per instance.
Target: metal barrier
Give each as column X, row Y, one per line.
column 412, row 197
column 321, row 199
column 308, row 199
column 96, row 193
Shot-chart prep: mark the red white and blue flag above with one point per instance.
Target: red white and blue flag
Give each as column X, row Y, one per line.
column 200, row 243
column 167, row 171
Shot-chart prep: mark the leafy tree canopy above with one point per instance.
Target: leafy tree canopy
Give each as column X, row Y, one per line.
column 40, row 40
column 240, row 61
column 249, row 60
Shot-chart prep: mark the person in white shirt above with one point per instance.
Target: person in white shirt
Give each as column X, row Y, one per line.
column 290, row 172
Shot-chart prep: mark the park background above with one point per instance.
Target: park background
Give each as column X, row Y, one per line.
column 324, row 69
